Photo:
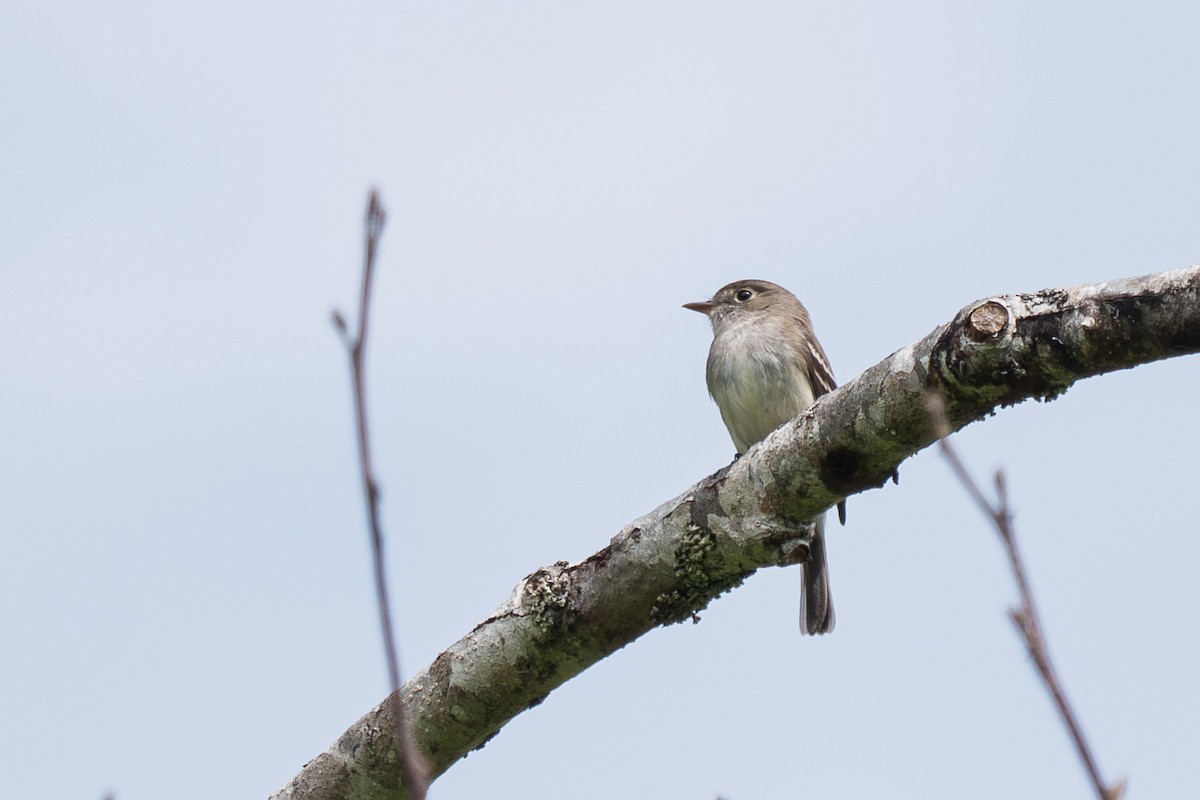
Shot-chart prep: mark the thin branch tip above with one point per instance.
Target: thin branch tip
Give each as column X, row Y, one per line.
column 342, row 328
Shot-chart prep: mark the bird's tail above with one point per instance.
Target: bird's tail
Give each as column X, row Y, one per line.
column 816, row 605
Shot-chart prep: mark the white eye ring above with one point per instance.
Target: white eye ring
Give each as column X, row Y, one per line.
column 744, row 295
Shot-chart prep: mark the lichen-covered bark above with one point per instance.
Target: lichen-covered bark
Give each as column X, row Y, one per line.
column 669, row 564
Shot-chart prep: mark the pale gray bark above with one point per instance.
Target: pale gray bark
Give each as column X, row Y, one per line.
column 667, row 565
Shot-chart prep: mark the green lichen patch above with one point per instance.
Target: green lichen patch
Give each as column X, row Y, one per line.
column 700, row 577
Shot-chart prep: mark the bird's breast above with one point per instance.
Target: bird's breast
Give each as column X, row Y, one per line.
column 757, row 382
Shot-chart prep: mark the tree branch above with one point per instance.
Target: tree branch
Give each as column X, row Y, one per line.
column 668, row 565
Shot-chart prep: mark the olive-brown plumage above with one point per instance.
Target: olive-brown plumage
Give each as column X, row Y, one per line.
column 765, row 367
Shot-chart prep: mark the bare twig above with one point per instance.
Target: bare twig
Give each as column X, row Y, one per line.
column 415, row 772
column 1025, row 617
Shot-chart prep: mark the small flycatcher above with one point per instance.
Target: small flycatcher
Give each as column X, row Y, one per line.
column 765, row 367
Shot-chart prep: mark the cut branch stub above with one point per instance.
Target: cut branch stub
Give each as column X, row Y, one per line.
column 988, row 319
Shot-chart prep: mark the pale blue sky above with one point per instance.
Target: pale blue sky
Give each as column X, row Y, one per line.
column 185, row 599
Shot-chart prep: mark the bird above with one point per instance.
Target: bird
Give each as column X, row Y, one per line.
column 765, row 366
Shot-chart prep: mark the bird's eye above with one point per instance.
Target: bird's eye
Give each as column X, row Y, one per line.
column 744, row 295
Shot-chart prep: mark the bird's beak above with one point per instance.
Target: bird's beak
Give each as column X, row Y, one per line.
column 703, row 307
